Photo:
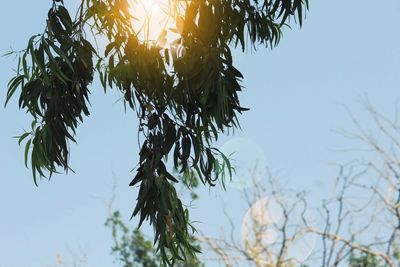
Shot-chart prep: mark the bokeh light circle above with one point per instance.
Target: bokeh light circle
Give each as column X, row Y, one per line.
column 260, row 218
column 261, row 233
column 248, row 160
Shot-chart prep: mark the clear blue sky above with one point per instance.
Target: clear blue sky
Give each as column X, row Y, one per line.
column 345, row 51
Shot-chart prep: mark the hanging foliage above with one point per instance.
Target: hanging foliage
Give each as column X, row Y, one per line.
column 184, row 94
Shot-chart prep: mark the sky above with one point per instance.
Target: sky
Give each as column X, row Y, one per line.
column 346, row 52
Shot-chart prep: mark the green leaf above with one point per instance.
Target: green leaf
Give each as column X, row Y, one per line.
column 65, row 18
column 22, row 137
column 109, row 47
column 12, row 86
column 62, row 55
column 27, row 146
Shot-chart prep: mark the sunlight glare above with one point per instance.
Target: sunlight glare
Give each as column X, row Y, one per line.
column 157, row 22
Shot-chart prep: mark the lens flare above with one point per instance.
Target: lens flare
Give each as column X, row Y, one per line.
column 157, row 22
column 248, row 160
column 261, row 231
column 257, row 229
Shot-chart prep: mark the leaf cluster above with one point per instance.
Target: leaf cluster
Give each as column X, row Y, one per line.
column 365, row 260
column 184, row 95
column 54, row 73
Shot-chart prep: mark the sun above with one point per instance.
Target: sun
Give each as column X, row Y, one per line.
column 157, row 22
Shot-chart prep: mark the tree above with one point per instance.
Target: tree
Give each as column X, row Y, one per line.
column 133, row 249
column 183, row 100
column 358, row 226
column 130, row 246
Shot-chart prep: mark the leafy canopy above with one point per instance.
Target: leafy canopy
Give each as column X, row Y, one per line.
column 183, row 100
